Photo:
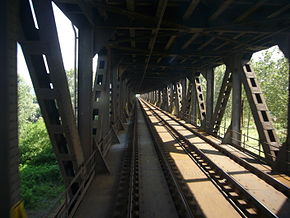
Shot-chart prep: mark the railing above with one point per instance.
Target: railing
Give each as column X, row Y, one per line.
column 244, row 142
column 67, row 203
column 248, row 144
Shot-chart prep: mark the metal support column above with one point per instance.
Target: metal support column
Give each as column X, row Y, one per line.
column 164, row 104
column 183, row 84
column 9, row 152
column 193, row 101
column 101, row 123
column 116, row 101
column 283, row 157
column 200, row 100
column 222, row 101
column 85, row 76
column 178, row 99
column 159, row 98
column 235, row 66
column 171, row 99
column 209, row 97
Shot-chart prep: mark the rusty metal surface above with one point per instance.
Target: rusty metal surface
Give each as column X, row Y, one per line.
column 100, row 196
column 203, row 190
column 155, row 199
column 273, row 199
column 245, row 159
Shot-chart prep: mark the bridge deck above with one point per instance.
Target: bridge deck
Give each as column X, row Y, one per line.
column 203, row 190
column 154, row 196
column 100, row 195
column 273, row 199
column 283, row 178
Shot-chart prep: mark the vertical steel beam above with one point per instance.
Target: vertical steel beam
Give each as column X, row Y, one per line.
column 116, row 101
column 200, row 101
column 283, row 158
column 187, row 102
column 176, row 94
column 235, row 66
column 193, row 102
column 159, row 98
column 209, row 97
column 122, row 101
column 164, row 104
column 9, row 154
column 85, row 77
column 178, row 99
column 183, row 84
column 101, row 99
column 171, row 90
column 222, row 101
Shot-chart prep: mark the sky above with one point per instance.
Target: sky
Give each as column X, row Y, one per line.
column 66, row 39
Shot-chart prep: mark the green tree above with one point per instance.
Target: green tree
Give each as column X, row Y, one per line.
column 71, row 85
column 28, row 110
column 272, row 73
column 41, row 181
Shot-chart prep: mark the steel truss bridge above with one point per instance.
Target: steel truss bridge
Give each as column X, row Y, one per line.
column 161, row 154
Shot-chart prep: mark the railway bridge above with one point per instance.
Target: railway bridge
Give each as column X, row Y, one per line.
column 145, row 138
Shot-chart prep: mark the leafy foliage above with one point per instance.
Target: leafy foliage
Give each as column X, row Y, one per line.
column 35, row 146
column 273, row 75
column 272, row 72
column 40, row 177
column 41, row 181
column 28, row 109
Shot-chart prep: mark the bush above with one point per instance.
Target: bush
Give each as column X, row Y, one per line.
column 40, row 176
column 40, row 184
column 35, row 146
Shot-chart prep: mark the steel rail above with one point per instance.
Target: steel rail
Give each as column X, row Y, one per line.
column 205, row 170
column 259, row 207
column 123, row 200
column 186, row 206
column 133, row 202
column 264, row 176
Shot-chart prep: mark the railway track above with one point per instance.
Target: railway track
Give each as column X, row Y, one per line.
column 129, row 199
column 163, row 166
column 241, row 197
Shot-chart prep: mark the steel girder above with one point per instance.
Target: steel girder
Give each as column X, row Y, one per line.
column 183, row 84
column 159, row 98
column 164, row 104
column 171, row 99
column 102, row 105
column 283, row 157
column 116, row 100
column 85, row 85
column 261, row 114
column 183, row 101
column 200, row 101
column 209, row 97
column 176, row 98
column 9, row 151
column 221, row 103
column 41, row 48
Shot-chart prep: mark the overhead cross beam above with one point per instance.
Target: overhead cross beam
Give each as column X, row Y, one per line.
column 192, row 5
column 221, row 9
column 162, row 11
